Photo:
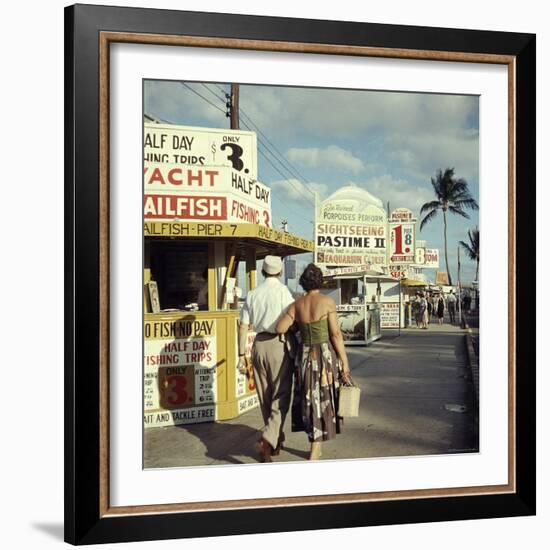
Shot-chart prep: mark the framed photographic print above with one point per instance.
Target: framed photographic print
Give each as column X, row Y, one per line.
column 259, row 206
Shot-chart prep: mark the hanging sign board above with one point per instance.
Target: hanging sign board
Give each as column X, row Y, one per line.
column 350, row 232
column 172, row 192
column 179, row 372
column 196, row 146
column 389, row 314
column 402, row 237
column 193, row 174
column 426, row 257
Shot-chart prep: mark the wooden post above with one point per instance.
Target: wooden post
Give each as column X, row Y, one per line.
column 234, row 106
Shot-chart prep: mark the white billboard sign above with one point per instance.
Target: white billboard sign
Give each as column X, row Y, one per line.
column 427, row 257
column 402, row 237
column 196, row 146
column 350, row 233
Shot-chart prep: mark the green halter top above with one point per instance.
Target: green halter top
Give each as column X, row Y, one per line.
column 315, row 332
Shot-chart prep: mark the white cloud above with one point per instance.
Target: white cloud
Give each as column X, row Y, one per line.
column 398, row 192
column 297, row 192
column 329, row 157
column 423, row 154
column 345, row 113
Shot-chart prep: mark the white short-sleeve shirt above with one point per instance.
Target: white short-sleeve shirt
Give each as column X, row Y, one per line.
column 265, row 304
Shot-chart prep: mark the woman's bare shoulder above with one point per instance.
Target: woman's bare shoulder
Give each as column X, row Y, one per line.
column 327, row 301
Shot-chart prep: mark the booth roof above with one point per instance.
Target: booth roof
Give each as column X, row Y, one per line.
column 243, row 235
column 413, row 282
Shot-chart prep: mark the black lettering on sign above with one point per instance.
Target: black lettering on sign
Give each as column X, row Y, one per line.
column 235, row 157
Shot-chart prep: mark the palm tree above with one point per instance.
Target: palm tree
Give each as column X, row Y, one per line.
column 472, row 248
column 453, row 196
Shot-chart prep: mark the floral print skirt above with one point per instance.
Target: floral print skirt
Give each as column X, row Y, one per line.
column 315, row 395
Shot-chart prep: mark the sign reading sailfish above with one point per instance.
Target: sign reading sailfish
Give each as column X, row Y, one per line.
column 350, row 229
column 196, row 174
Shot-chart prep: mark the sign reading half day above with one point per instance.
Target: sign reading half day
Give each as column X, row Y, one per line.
column 350, row 230
column 180, row 380
column 402, row 237
column 204, row 193
column 194, row 174
column 196, row 146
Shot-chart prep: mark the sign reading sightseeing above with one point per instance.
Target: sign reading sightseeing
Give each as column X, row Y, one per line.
column 350, row 230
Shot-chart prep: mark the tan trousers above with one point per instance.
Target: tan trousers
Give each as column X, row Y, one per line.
column 273, row 379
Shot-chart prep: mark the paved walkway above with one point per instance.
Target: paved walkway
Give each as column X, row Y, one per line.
column 417, row 399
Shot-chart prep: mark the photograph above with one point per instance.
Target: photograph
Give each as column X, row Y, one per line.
column 300, row 241
column 275, row 284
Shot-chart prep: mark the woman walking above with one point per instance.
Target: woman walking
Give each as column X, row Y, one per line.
column 321, row 362
column 440, row 309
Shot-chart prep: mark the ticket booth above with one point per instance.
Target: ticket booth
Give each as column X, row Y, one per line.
column 193, row 291
column 358, row 311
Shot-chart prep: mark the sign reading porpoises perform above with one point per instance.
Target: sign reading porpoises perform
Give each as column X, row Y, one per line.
column 350, row 230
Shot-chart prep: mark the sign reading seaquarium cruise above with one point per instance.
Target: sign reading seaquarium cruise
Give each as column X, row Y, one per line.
column 193, row 174
column 350, row 229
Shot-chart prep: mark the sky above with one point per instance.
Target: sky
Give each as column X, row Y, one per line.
column 320, row 139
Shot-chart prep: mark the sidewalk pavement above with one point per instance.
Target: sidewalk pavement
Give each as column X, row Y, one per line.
column 416, row 399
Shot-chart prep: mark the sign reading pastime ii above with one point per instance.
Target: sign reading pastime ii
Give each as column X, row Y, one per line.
column 350, row 230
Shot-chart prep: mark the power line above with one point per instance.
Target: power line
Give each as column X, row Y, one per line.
column 201, row 96
column 299, row 190
column 284, row 162
column 289, row 171
column 222, row 99
column 293, row 169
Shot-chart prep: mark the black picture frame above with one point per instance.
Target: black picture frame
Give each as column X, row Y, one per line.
column 84, row 521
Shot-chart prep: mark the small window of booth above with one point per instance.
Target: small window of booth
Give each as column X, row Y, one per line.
column 358, row 303
column 192, row 299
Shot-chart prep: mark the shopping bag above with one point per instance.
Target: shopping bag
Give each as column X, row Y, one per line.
column 349, row 396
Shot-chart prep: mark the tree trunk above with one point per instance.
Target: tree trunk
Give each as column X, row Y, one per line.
column 445, row 237
column 477, row 269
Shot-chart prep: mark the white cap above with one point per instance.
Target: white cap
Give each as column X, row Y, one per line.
column 273, row 265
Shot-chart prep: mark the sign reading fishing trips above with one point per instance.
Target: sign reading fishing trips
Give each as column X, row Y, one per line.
column 196, row 146
column 210, row 174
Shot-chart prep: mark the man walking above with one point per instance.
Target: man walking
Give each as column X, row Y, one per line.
column 272, row 367
column 451, row 306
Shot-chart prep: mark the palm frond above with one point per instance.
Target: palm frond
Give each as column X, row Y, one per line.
column 430, row 206
column 458, row 211
column 469, row 250
column 428, row 217
column 467, row 202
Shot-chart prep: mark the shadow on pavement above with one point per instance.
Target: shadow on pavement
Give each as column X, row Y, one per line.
column 225, row 441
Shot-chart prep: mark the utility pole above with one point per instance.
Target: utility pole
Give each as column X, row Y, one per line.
column 459, row 298
column 284, row 226
column 232, row 106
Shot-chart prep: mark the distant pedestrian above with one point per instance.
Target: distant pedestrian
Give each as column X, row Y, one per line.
column 467, row 302
column 440, row 309
column 451, row 306
column 416, row 310
column 430, row 308
column 423, row 311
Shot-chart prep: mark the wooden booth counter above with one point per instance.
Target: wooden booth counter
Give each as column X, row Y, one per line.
column 191, row 271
